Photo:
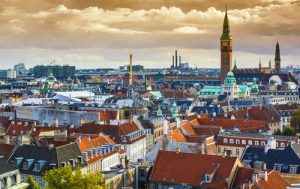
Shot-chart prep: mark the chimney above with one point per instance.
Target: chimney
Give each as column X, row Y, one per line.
column 254, row 178
column 55, row 122
column 263, row 175
column 179, row 61
column 176, row 58
column 173, row 61
column 126, row 162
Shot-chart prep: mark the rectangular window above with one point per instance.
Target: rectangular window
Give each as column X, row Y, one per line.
column 244, row 142
column 237, row 152
column 231, row 141
column 237, row 141
column 293, row 169
column 277, row 168
column 250, row 142
column 256, row 143
column 219, row 150
column 225, row 140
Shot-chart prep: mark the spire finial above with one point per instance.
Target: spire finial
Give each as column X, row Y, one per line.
column 226, row 7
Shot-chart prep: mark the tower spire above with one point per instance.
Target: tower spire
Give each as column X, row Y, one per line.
column 277, row 58
column 226, row 26
column 130, row 68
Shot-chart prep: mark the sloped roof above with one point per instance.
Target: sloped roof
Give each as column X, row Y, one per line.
column 6, row 150
column 177, row 168
column 6, row 167
column 274, row 181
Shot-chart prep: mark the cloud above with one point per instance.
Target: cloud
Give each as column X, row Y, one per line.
column 189, row 30
column 162, row 24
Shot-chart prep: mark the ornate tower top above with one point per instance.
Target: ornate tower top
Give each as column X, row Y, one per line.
column 277, row 52
column 226, row 28
column 235, row 66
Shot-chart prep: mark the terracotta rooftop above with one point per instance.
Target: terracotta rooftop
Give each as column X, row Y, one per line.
column 274, row 181
column 177, row 168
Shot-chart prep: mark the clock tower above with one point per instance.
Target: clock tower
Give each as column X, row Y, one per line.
column 226, row 49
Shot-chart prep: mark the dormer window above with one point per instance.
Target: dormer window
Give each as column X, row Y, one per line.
column 37, row 167
column 63, row 164
column 277, row 167
column 207, row 178
column 25, row 165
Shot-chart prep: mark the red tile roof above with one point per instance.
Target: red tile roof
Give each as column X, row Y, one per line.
column 241, row 124
column 115, row 131
column 256, row 113
column 274, row 181
column 178, row 168
column 18, row 129
column 4, row 120
column 177, row 136
column 244, row 175
column 6, row 150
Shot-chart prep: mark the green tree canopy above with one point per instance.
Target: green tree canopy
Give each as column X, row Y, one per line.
column 295, row 120
column 32, row 183
column 66, row 177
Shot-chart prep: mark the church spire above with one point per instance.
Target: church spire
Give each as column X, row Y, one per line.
column 235, row 66
column 277, row 52
column 226, row 27
column 277, row 59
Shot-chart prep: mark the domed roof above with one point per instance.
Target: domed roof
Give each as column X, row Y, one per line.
column 51, row 78
column 230, row 73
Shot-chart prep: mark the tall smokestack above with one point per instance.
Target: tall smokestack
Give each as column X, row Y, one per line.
column 180, row 61
column 173, row 62
column 130, row 68
column 176, row 58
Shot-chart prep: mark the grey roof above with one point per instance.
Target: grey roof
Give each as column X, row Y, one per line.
column 6, row 167
column 255, row 135
column 67, row 152
column 54, row 156
column 36, row 153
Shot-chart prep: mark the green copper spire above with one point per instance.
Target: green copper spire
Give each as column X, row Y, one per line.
column 235, row 66
column 226, row 27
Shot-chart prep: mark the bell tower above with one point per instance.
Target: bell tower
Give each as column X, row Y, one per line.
column 226, row 49
column 277, row 59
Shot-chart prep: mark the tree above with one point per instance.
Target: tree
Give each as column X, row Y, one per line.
column 295, row 120
column 277, row 132
column 66, row 177
column 32, row 183
column 288, row 131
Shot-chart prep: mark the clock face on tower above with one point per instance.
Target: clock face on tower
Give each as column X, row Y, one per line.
column 224, row 43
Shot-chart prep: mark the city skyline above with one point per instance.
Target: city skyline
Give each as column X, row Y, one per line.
column 94, row 34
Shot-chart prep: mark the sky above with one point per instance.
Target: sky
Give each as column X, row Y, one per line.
column 101, row 33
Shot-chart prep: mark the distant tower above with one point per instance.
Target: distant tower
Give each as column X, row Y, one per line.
column 235, row 66
column 226, row 49
column 259, row 65
column 277, row 59
column 130, row 69
column 270, row 64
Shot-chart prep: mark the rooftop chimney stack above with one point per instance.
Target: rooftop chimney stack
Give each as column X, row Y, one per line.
column 176, row 59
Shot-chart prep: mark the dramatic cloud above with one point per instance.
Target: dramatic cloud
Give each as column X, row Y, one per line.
column 102, row 32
